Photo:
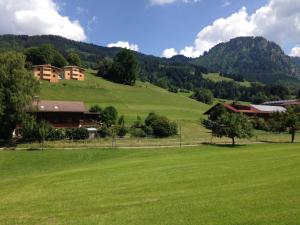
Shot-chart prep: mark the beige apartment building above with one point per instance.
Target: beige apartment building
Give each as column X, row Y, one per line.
column 47, row 72
column 74, row 73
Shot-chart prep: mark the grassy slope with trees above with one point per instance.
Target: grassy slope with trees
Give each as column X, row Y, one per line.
column 255, row 184
column 132, row 101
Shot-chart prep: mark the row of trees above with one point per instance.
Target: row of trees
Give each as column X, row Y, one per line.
column 153, row 126
column 47, row 54
column 256, row 93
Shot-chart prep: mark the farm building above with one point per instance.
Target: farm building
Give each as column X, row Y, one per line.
column 63, row 114
column 254, row 111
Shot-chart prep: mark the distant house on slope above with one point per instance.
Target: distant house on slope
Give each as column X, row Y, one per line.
column 74, row 73
column 63, row 114
column 47, row 72
column 253, row 111
column 53, row 74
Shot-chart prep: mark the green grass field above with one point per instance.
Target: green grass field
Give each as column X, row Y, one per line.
column 215, row 77
column 255, row 184
column 130, row 101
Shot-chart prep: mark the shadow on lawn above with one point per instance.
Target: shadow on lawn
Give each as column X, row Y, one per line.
column 230, row 146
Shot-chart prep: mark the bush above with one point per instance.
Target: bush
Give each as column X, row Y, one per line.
column 35, row 131
column 137, row 132
column 173, row 89
column 77, row 134
column 204, row 95
column 56, row 134
column 109, row 116
column 261, row 124
column 104, row 132
column 160, row 126
column 95, row 109
column 122, row 131
column 148, row 130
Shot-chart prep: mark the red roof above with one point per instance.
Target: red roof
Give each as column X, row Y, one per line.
column 238, row 108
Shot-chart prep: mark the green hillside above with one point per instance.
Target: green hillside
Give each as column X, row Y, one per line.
column 255, row 184
column 130, row 101
column 255, row 58
column 215, row 77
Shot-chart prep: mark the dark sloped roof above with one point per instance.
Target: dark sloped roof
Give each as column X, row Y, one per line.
column 78, row 67
column 46, row 65
column 59, row 106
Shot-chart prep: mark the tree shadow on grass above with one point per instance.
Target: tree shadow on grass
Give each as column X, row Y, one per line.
column 277, row 142
column 34, row 149
column 229, row 146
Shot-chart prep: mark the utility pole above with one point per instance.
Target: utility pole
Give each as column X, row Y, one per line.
column 180, row 134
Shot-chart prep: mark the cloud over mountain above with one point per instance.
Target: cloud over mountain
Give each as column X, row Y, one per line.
column 278, row 20
column 124, row 44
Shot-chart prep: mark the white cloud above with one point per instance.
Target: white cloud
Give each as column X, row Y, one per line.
column 169, row 53
column 295, row 51
column 165, row 2
column 36, row 17
column 124, row 44
column 278, row 20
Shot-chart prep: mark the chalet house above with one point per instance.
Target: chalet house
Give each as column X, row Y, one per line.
column 284, row 103
column 74, row 73
column 47, row 72
column 252, row 111
column 63, row 114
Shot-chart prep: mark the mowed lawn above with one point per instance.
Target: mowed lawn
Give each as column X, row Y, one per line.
column 254, row 184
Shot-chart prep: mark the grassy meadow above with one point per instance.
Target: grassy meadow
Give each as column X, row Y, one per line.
column 134, row 101
column 215, row 77
column 254, row 184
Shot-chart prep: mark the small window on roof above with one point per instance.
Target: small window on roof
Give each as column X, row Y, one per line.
column 42, row 107
column 56, row 107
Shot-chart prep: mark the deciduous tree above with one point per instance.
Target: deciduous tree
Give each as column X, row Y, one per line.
column 17, row 89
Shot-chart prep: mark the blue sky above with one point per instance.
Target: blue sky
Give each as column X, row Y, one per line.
column 159, row 27
column 152, row 27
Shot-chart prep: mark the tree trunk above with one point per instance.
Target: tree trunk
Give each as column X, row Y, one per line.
column 233, row 141
column 293, row 135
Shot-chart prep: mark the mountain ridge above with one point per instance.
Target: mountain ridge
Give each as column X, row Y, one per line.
column 256, row 58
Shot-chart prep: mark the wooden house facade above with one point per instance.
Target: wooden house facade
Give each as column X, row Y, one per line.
column 63, row 114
